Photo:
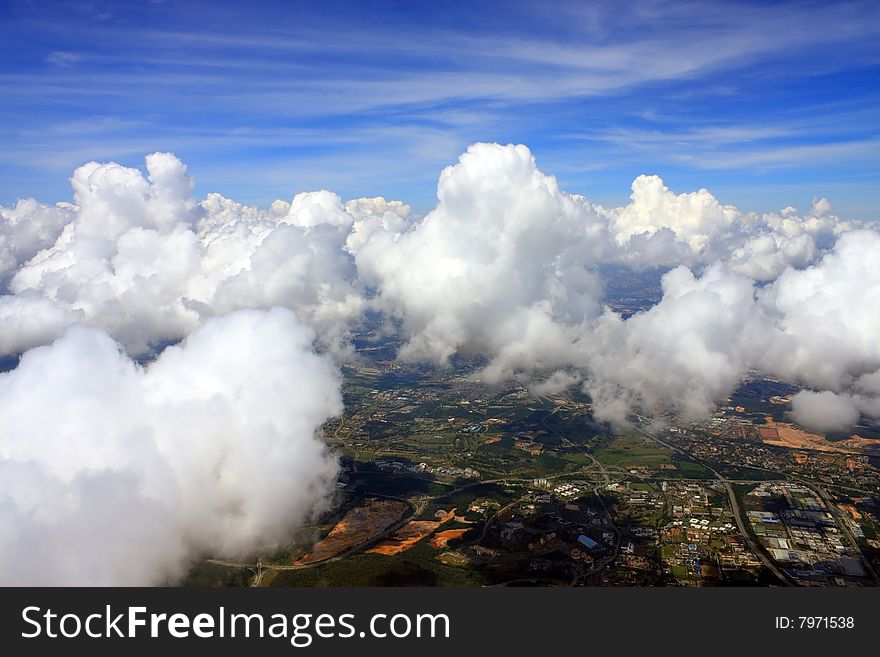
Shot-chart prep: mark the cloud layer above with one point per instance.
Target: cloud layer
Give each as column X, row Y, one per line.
column 505, row 267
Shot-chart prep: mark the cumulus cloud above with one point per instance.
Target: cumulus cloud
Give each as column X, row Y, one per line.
column 824, row 411
column 659, row 228
column 29, row 320
column 111, row 473
column 141, row 258
column 769, row 243
column 495, row 265
column 695, row 220
column 557, row 382
column 505, row 262
column 506, row 266
column 27, row 228
column 682, row 355
column 814, row 326
column 829, row 329
column 375, row 217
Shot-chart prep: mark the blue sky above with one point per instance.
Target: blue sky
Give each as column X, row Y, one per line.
column 765, row 104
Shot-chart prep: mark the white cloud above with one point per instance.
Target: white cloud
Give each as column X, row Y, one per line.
column 557, row 382
column 660, row 228
column 828, row 325
column 814, row 326
column 505, row 249
column 499, row 260
column 29, row 320
column 63, row 58
column 682, row 355
column 824, row 411
column 115, row 474
column 504, row 267
column 141, row 258
column 695, row 219
column 26, row 229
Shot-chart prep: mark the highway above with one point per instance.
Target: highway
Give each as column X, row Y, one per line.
column 832, row 508
column 756, row 549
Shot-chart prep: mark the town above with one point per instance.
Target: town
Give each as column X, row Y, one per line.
column 447, row 480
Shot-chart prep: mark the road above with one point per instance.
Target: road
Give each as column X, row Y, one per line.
column 606, row 481
column 260, row 568
column 818, row 490
column 832, row 508
column 756, row 549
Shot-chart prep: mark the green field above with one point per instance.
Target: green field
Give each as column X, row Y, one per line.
column 633, row 450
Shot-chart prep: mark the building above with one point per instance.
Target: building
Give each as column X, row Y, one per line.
column 589, row 542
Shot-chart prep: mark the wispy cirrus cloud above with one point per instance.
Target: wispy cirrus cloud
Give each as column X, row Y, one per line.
column 524, row 74
column 63, row 58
